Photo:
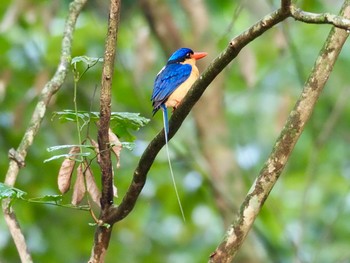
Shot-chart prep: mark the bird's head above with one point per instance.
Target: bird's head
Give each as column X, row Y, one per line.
column 183, row 54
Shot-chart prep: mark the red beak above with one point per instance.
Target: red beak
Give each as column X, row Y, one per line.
column 199, row 55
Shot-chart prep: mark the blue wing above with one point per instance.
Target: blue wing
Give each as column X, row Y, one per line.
column 167, row 81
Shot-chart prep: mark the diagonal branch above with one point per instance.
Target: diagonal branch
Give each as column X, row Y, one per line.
column 17, row 157
column 284, row 145
column 235, row 46
column 180, row 114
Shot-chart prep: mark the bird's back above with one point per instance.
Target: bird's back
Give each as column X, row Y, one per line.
column 167, row 81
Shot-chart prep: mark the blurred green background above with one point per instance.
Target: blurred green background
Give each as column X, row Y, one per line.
column 216, row 154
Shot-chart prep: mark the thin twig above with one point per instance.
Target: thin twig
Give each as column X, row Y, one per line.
column 324, row 18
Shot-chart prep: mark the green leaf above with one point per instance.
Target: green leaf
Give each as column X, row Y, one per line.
column 121, row 122
column 128, row 145
column 67, row 155
column 60, row 147
column 89, row 61
column 10, row 192
column 70, row 115
column 47, row 198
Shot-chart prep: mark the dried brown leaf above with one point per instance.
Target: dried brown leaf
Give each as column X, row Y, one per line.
column 115, row 189
column 116, row 145
column 92, row 187
column 96, row 149
column 66, row 170
column 79, row 187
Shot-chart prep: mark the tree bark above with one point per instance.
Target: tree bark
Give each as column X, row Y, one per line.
column 104, row 228
column 17, row 157
column 284, row 145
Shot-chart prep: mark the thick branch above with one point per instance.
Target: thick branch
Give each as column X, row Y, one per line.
column 39, row 112
column 105, row 105
column 284, row 145
column 285, row 5
column 192, row 97
column 180, row 114
column 102, row 234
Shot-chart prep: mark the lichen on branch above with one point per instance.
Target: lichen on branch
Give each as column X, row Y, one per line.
column 284, row 145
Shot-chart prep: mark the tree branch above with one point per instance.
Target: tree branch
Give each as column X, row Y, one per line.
column 39, row 112
column 198, row 88
column 103, row 233
column 285, row 5
column 183, row 110
column 105, row 105
column 324, row 18
column 284, row 145
column 269, row 173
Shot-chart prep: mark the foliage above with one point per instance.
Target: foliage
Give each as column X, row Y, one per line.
column 306, row 216
column 10, row 192
column 122, row 122
column 13, row 194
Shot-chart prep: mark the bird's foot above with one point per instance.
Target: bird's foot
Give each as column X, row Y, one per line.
column 176, row 105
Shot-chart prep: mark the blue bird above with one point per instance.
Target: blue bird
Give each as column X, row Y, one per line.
column 174, row 81
column 170, row 87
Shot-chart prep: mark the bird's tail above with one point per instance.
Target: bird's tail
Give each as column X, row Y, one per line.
column 166, row 132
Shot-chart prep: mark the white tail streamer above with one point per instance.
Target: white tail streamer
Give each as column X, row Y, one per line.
column 166, row 130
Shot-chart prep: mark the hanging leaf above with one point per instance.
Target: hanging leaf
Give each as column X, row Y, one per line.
column 116, row 145
column 96, row 149
column 79, row 186
column 66, row 170
column 91, row 186
column 115, row 189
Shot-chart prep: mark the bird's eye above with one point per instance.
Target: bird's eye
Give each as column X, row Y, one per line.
column 188, row 55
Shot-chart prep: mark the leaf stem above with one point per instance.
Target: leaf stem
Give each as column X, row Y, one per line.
column 76, row 79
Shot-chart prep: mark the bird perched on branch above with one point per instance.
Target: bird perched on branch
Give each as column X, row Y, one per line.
column 171, row 86
column 174, row 81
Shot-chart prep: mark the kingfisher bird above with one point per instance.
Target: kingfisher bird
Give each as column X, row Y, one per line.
column 170, row 86
column 174, row 81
